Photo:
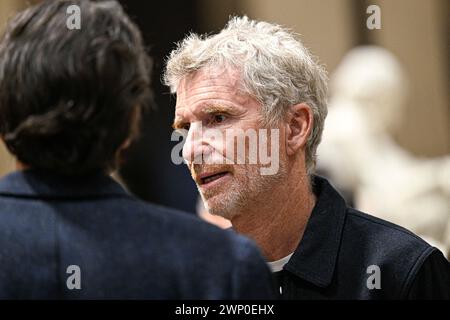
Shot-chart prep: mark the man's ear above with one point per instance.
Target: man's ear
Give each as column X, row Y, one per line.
column 299, row 126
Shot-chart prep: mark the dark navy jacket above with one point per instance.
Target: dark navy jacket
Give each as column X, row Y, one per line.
column 344, row 250
column 124, row 248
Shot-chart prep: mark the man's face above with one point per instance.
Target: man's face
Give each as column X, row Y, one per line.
column 211, row 106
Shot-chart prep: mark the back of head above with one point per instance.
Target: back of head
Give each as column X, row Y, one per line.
column 69, row 99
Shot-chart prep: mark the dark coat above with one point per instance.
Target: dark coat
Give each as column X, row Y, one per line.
column 124, row 248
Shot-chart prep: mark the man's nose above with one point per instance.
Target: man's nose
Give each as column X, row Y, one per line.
column 194, row 147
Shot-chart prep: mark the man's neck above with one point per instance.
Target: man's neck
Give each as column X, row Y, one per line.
column 279, row 220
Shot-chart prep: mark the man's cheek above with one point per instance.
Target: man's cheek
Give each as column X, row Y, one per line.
column 215, row 140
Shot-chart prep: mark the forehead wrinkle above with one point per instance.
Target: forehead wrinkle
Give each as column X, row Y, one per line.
column 208, row 107
column 202, row 88
column 240, row 98
column 191, row 93
column 214, row 74
column 204, row 79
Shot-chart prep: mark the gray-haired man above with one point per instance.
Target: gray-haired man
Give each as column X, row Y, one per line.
column 256, row 77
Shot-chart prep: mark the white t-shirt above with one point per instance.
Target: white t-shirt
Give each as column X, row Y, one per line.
column 278, row 265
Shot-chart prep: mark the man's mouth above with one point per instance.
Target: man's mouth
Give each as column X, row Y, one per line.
column 207, row 178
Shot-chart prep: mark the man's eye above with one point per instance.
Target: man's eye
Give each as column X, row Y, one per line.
column 186, row 126
column 219, row 118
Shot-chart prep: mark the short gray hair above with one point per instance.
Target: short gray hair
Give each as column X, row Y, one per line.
column 275, row 68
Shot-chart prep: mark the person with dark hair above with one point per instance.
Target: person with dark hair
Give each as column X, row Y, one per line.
column 70, row 103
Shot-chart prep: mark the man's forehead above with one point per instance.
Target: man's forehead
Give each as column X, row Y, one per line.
column 209, row 76
column 238, row 104
column 210, row 84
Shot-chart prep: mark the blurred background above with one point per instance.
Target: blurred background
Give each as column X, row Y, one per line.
column 405, row 62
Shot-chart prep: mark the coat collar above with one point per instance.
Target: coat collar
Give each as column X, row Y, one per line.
column 34, row 183
column 315, row 258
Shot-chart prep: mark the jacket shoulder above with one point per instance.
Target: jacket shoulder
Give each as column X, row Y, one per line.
column 381, row 228
column 398, row 252
column 159, row 252
column 232, row 263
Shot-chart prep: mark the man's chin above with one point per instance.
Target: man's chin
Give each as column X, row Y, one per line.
column 218, row 205
column 214, row 193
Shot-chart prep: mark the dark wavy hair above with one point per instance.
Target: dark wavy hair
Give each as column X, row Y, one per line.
column 70, row 99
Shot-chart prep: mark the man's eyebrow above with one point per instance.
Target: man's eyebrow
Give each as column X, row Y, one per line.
column 177, row 123
column 219, row 108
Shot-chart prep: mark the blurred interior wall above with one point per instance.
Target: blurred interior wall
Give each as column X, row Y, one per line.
column 325, row 26
column 416, row 32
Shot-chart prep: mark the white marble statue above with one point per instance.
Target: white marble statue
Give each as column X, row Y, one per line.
column 359, row 154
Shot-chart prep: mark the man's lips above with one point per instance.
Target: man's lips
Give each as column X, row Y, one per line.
column 208, row 177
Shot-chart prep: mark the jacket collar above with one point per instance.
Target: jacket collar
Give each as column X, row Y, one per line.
column 34, row 183
column 315, row 258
